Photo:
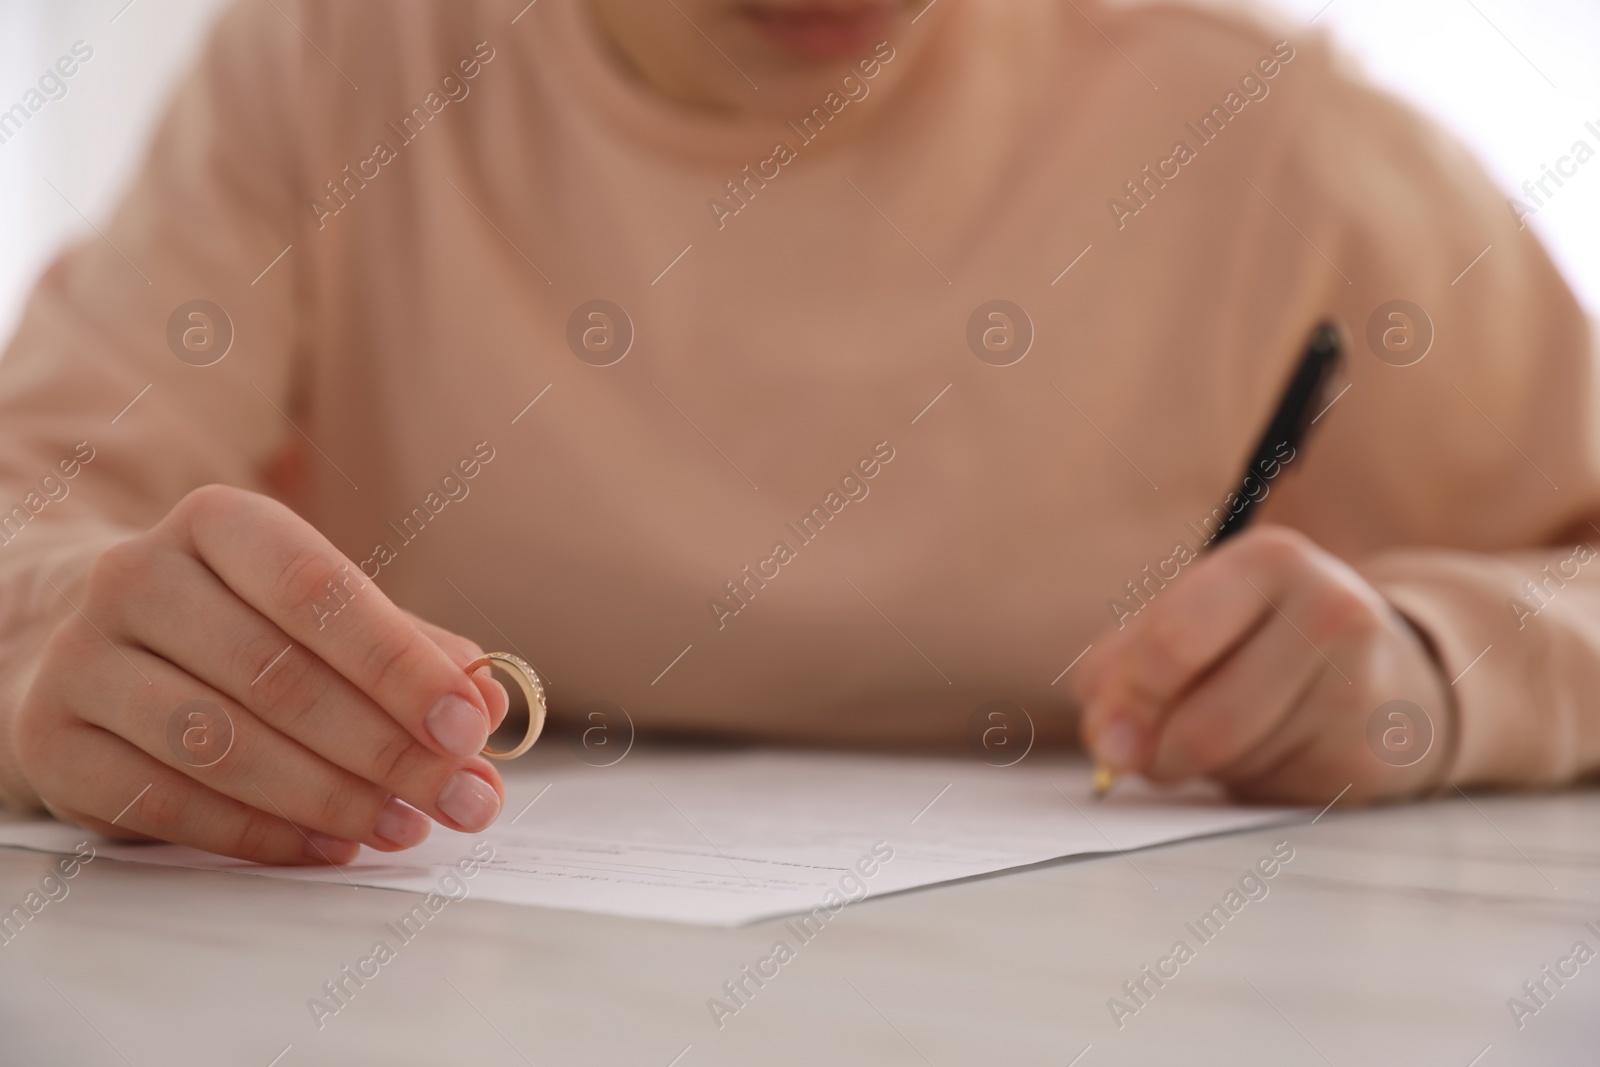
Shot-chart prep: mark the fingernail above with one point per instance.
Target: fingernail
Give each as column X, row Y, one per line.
column 400, row 824
column 1118, row 744
column 325, row 848
column 456, row 726
column 469, row 800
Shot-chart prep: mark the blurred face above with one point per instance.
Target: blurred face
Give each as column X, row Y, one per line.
column 763, row 56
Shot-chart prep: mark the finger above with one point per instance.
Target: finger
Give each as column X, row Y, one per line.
column 1123, row 721
column 1294, row 766
column 99, row 826
column 1196, row 620
column 1291, row 740
column 1089, row 676
column 1111, row 709
column 279, row 565
column 1235, row 707
column 200, row 733
column 1186, row 632
column 463, row 651
column 234, row 650
column 114, row 787
column 1321, row 748
column 494, row 694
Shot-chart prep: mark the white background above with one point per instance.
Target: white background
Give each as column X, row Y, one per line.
column 1515, row 79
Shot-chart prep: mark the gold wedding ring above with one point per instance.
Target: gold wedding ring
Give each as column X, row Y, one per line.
column 533, row 689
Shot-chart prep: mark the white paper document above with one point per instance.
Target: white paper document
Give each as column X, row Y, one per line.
column 722, row 838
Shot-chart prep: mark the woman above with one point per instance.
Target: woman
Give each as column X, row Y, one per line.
column 806, row 370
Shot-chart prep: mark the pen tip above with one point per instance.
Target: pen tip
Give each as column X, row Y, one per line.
column 1103, row 777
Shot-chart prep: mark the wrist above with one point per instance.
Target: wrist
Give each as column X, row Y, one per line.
column 1447, row 728
column 1490, row 739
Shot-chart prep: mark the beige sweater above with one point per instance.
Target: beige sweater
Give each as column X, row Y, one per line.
column 779, row 493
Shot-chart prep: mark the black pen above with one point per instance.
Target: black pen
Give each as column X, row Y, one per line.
column 1302, row 405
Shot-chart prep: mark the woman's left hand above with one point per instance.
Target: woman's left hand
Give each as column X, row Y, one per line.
column 1264, row 666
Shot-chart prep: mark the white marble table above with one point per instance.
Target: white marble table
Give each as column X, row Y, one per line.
column 1394, row 937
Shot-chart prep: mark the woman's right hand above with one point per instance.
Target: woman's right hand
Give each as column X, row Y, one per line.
column 344, row 720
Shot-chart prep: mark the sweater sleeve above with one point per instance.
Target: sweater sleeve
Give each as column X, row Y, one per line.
column 155, row 354
column 1461, row 470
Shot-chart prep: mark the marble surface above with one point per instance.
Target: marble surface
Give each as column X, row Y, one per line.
column 1394, row 936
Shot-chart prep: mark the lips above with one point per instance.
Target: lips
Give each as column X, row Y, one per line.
column 822, row 32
